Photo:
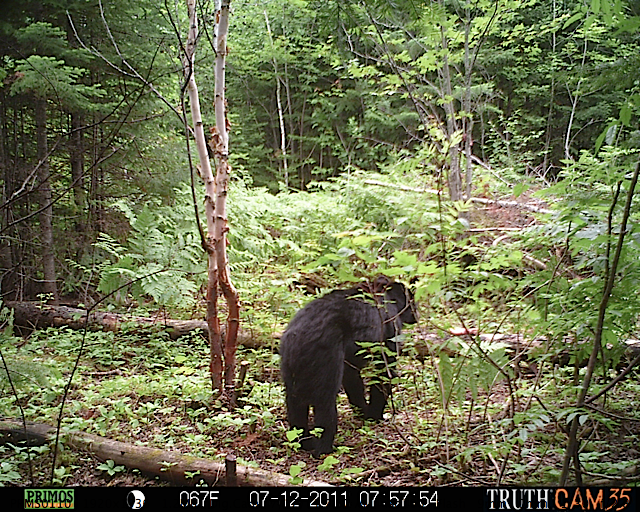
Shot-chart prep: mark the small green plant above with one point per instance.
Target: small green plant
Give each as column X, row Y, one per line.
column 9, row 473
column 110, row 467
column 293, row 439
column 328, row 463
column 294, row 472
column 317, row 432
column 62, row 474
column 191, row 474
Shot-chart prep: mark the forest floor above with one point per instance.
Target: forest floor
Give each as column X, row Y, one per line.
column 495, row 435
column 415, row 445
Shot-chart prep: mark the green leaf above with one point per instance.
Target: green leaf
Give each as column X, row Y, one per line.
column 328, row 463
column 572, row 20
column 345, row 252
column 293, row 434
column 519, row 189
column 625, row 114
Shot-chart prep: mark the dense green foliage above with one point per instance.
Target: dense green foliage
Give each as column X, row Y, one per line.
column 341, row 87
column 353, row 124
column 521, row 87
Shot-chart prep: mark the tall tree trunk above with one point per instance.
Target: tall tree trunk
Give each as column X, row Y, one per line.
column 6, row 262
column 223, row 170
column 552, row 99
column 7, row 272
column 76, row 160
column 94, row 202
column 46, row 216
column 216, row 190
column 454, row 179
column 283, row 137
column 215, row 337
column 467, row 120
column 12, row 240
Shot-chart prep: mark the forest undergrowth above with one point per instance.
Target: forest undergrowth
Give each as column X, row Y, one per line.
column 487, row 381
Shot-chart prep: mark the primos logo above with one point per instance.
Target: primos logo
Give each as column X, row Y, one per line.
column 49, row 498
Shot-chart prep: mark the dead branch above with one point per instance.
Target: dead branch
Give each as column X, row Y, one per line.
column 481, row 200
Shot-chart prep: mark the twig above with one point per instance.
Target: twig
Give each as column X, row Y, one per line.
column 610, row 414
column 133, row 72
column 614, row 381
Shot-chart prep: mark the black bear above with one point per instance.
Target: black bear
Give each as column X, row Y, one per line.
column 319, row 353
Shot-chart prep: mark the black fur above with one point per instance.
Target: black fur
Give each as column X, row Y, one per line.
column 319, row 353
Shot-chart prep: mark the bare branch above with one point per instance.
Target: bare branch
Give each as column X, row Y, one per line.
column 132, row 73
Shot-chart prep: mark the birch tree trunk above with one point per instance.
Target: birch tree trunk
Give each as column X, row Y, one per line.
column 215, row 339
column 283, row 137
column 575, row 98
column 223, row 170
column 216, row 189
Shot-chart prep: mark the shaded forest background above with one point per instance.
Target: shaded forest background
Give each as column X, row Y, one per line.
column 524, row 84
column 345, row 118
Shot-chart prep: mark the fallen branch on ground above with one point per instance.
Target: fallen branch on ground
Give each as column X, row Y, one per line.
column 481, row 200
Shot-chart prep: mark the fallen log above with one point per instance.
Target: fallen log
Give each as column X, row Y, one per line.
column 35, row 315
column 168, row 466
column 481, row 200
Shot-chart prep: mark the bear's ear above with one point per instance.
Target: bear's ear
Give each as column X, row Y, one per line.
column 381, row 283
